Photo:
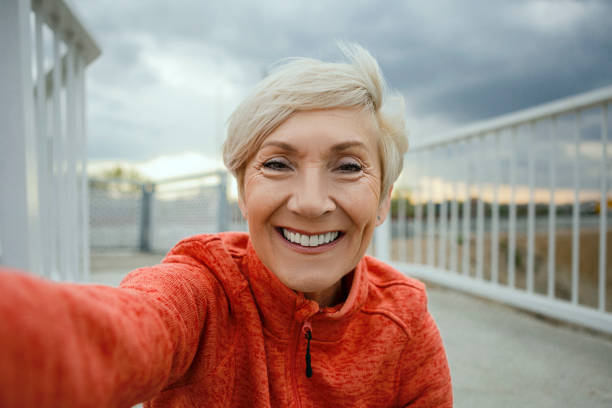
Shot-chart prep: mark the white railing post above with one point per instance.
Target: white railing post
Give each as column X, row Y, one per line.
column 401, row 228
column 576, row 209
column 531, row 208
column 71, row 160
column 603, row 209
column 512, row 213
column 83, row 191
column 467, row 215
column 495, row 210
column 43, row 156
column 443, row 217
column 552, row 209
column 430, row 211
column 454, row 221
column 418, row 215
column 20, row 239
column 59, row 186
column 480, row 177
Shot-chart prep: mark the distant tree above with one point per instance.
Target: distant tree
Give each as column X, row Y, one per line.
column 118, row 172
column 408, row 205
column 118, row 178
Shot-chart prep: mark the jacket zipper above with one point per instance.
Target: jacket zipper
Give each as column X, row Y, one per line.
column 306, row 331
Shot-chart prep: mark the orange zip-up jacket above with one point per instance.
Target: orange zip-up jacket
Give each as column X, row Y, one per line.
column 212, row 327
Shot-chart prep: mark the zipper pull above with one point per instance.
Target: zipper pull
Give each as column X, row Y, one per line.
column 308, row 334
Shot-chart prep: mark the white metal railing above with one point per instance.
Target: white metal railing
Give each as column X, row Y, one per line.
column 154, row 216
column 44, row 220
column 511, row 209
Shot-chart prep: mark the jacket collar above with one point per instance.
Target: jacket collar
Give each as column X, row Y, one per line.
column 282, row 309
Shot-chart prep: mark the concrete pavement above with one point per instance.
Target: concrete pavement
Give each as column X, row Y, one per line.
column 499, row 356
column 502, row 357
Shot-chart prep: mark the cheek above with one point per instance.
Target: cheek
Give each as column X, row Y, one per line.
column 260, row 198
column 360, row 199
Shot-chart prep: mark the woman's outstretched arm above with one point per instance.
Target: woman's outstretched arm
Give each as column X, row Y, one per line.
column 98, row 346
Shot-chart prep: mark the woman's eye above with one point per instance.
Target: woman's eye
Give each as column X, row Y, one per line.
column 276, row 164
column 350, row 167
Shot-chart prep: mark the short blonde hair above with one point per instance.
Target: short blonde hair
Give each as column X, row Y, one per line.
column 302, row 84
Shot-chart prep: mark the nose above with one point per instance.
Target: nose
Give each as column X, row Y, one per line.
column 310, row 195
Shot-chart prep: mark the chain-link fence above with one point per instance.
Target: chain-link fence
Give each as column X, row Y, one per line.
column 155, row 216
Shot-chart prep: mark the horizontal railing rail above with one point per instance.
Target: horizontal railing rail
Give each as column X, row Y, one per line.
column 555, row 108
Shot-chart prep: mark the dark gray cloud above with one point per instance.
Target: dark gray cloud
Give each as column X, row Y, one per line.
column 455, row 62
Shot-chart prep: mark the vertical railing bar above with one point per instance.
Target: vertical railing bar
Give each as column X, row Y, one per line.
column 58, row 158
column 81, row 167
column 576, row 209
column 552, row 209
column 454, row 214
column 443, row 216
column 418, row 229
column 83, row 276
column 495, row 211
column 465, row 253
column 401, row 227
column 603, row 209
column 41, row 130
column 531, row 206
column 512, row 213
column 72, row 212
column 418, row 215
column 443, row 228
column 480, row 168
column 85, row 177
column 52, row 211
column 430, row 211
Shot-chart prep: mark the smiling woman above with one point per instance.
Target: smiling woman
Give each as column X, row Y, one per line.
column 304, row 181
column 291, row 314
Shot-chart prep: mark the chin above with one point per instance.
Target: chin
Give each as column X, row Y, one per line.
column 311, row 284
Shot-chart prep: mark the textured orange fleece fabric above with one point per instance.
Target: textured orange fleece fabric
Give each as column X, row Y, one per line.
column 212, row 327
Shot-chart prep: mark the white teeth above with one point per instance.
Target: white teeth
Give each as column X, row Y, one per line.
column 310, row 240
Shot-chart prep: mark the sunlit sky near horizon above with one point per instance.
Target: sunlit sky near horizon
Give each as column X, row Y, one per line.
column 171, row 73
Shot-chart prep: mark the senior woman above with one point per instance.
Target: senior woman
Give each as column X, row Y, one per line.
column 291, row 314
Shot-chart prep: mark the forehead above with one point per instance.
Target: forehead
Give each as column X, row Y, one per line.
column 324, row 129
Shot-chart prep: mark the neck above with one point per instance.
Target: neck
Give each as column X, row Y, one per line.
column 328, row 297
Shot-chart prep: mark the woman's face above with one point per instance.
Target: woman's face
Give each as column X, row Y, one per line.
column 311, row 198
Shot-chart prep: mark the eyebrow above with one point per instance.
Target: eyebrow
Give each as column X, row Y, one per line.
column 336, row 148
column 347, row 145
column 282, row 145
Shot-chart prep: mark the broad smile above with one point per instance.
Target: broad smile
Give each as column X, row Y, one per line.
column 312, row 241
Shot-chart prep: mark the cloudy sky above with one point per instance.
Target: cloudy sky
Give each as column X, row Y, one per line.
column 172, row 72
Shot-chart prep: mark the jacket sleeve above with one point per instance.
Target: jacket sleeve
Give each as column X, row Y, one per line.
column 97, row 346
column 424, row 373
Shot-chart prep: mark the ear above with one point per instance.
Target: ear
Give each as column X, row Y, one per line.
column 383, row 208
